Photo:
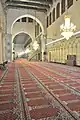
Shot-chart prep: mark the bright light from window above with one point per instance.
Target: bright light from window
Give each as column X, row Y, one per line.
column 21, row 53
column 27, row 50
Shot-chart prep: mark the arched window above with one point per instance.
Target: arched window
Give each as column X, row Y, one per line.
column 30, row 20
column 18, row 20
column 24, row 19
column 53, row 14
column 58, row 10
column 62, row 6
column 69, row 3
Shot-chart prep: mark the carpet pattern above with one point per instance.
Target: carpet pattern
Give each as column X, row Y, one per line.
column 64, row 85
column 36, row 104
column 8, row 99
column 47, row 92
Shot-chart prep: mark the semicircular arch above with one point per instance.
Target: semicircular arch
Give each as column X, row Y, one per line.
column 28, row 15
column 19, row 33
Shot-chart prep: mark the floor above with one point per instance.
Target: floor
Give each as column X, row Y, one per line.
column 39, row 91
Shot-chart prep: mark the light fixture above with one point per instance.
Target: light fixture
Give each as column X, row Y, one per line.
column 68, row 28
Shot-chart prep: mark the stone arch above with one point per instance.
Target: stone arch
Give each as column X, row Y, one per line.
column 14, row 38
column 19, row 33
column 33, row 17
column 11, row 19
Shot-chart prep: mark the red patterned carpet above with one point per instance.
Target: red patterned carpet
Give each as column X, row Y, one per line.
column 8, row 103
column 61, row 83
column 39, row 91
column 43, row 113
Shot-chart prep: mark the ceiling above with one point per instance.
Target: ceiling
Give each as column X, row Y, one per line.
column 21, row 38
column 41, row 5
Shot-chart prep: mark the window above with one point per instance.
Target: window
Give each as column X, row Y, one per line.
column 18, row 20
column 62, row 6
column 47, row 21
column 69, row 3
column 53, row 14
column 24, row 19
column 58, row 10
column 50, row 19
column 30, row 20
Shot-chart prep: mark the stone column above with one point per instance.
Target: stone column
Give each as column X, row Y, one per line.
column 9, row 47
column 43, row 47
column 13, row 51
column 1, row 51
column 5, row 33
column 4, row 46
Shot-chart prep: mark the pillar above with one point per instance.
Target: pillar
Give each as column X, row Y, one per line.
column 43, row 48
column 4, row 46
column 1, row 51
column 9, row 47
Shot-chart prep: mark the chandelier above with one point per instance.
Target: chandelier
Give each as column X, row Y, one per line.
column 68, row 28
column 35, row 45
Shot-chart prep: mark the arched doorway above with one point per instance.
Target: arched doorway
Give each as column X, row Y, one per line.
column 21, row 42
